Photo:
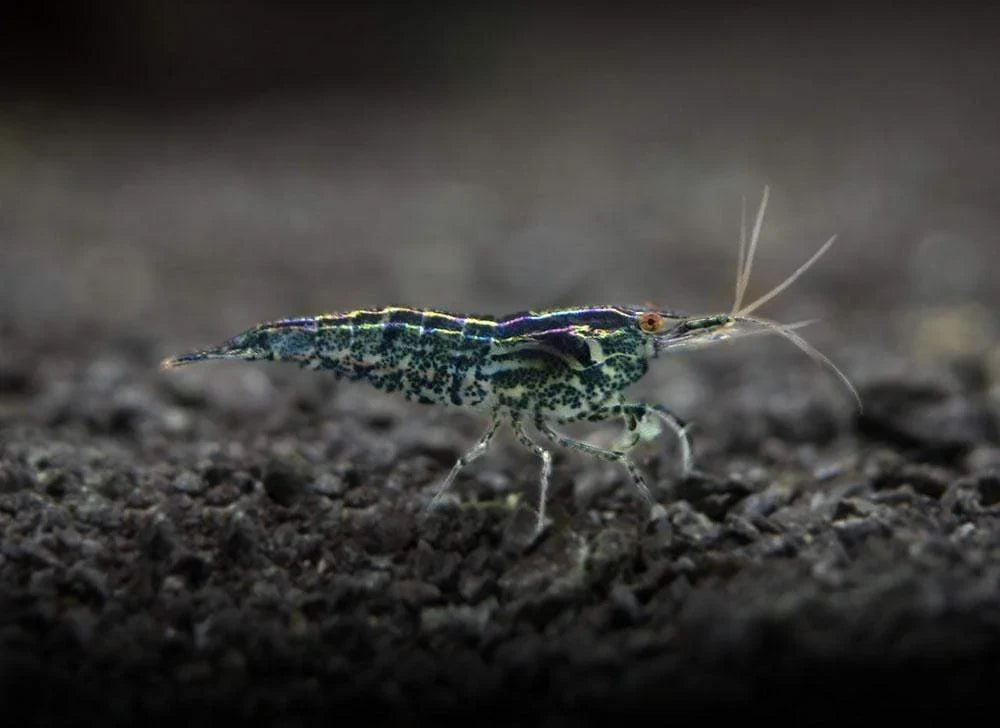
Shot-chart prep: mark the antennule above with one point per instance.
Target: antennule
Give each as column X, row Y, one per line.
column 744, row 274
column 750, row 308
column 743, row 252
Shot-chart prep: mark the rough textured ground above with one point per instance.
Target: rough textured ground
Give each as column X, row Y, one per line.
column 252, row 540
column 165, row 553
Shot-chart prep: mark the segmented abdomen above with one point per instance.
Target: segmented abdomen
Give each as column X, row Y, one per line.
column 563, row 363
column 428, row 356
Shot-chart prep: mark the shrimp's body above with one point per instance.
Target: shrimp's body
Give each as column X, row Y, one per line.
column 565, row 365
column 536, row 367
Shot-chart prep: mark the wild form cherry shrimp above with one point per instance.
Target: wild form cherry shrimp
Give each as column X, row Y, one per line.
column 535, row 367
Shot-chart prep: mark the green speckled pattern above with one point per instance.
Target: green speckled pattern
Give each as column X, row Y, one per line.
column 567, row 364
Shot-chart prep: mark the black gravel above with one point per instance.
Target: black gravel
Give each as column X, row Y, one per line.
column 162, row 560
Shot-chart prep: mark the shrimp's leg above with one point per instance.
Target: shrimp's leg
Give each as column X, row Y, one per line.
column 477, row 450
column 631, row 436
column 546, row 457
column 633, row 413
column 618, row 456
column 639, row 410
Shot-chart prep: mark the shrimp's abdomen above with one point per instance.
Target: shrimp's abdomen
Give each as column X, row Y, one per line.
column 427, row 356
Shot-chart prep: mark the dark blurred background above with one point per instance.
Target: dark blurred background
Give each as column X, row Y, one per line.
column 181, row 170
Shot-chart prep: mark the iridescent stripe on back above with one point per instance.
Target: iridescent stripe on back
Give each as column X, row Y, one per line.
column 439, row 357
column 591, row 319
column 429, row 356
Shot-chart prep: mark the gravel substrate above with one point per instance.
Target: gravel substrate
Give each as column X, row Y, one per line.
column 171, row 554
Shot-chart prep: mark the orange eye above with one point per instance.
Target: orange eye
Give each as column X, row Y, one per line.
column 650, row 322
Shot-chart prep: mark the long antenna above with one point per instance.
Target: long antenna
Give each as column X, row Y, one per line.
column 744, row 278
column 750, row 308
column 743, row 251
column 814, row 353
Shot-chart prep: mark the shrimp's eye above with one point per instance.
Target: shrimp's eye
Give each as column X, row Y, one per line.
column 651, row 322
